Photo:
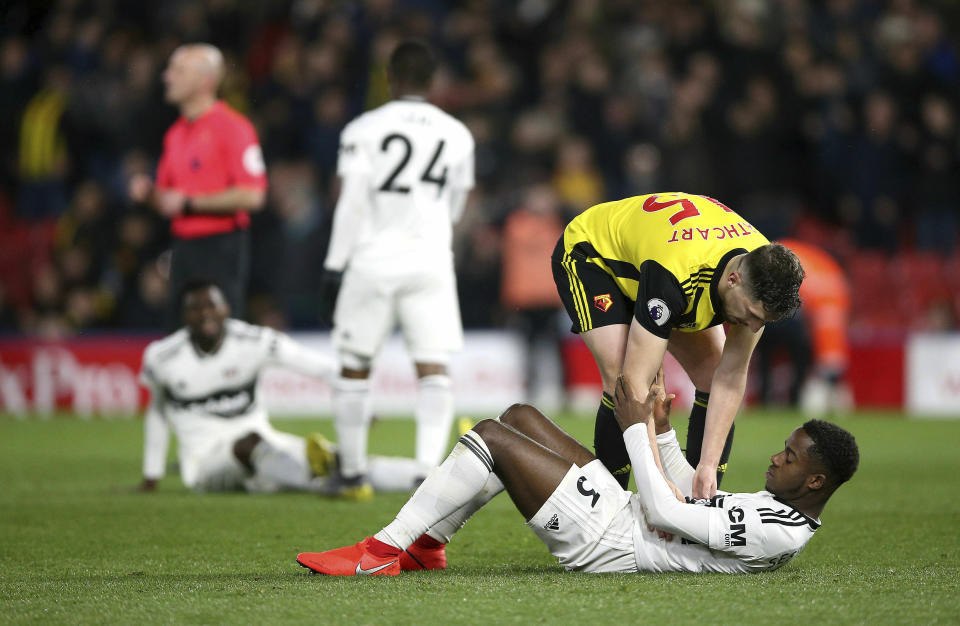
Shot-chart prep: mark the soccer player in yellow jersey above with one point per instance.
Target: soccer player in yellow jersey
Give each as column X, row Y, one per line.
column 660, row 272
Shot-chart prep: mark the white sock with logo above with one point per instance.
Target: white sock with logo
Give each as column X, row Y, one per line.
column 444, row 530
column 351, row 415
column 450, row 486
column 434, row 415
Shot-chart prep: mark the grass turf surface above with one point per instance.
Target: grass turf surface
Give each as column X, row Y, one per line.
column 78, row 545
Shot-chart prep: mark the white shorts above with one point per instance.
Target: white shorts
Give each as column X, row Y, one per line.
column 587, row 522
column 215, row 468
column 423, row 302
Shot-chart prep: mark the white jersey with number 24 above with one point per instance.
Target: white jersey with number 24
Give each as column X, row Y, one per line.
column 417, row 161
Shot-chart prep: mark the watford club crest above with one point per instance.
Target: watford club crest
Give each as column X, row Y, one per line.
column 603, row 302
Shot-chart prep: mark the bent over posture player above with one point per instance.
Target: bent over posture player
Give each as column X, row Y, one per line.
column 578, row 509
column 203, row 387
column 663, row 271
column 407, row 168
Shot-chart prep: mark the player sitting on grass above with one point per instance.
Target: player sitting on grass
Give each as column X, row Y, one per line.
column 203, row 386
column 578, row 509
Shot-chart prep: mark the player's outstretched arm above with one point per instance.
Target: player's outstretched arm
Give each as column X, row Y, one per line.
column 663, row 504
column 295, row 356
column 631, row 411
column 726, row 396
column 156, row 442
column 676, row 469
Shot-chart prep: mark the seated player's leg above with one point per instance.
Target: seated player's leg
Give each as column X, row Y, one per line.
column 321, row 455
column 276, row 460
column 392, row 473
column 213, row 468
column 428, row 552
column 385, row 473
column 530, row 471
column 699, row 355
column 429, row 317
column 574, row 542
column 601, row 314
column 531, row 422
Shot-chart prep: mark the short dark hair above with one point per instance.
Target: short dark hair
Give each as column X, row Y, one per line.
column 774, row 275
column 835, row 448
column 195, row 284
column 413, row 64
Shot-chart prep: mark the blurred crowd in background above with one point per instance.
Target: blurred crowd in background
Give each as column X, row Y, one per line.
column 834, row 121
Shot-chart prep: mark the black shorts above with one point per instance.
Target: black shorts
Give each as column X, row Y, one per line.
column 590, row 295
column 223, row 259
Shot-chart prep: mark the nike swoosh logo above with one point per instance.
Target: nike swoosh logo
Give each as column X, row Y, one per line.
column 373, row 570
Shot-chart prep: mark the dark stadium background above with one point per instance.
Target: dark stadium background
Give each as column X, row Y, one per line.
column 831, row 121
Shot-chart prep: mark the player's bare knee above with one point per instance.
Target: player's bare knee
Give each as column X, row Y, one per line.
column 517, row 415
column 243, row 449
column 489, row 430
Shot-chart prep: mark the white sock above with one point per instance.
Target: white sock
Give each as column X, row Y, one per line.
column 275, row 465
column 351, row 414
column 444, row 530
column 392, row 473
column 457, row 481
column 434, row 415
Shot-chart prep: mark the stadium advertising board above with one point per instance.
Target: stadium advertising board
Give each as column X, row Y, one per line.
column 933, row 375
column 98, row 376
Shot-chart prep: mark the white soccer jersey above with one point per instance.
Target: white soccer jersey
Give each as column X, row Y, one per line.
column 206, row 397
column 414, row 164
column 732, row 533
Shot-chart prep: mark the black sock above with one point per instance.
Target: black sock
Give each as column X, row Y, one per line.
column 608, row 442
column 725, row 455
column 698, row 418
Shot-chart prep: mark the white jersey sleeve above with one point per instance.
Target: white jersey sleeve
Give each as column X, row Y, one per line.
column 753, row 528
column 675, row 465
column 354, row 157
column 156, row 430
column 660, row 506
column 348, row 219
column 283, row 351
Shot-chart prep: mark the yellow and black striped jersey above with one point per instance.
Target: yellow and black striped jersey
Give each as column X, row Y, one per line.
column 665, row 252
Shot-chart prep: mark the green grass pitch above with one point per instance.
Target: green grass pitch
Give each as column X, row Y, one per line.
column 77, row 545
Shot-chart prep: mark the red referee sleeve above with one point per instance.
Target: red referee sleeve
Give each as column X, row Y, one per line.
column 245, row 166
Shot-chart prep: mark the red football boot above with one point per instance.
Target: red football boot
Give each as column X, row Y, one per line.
column 425, row 553
column 355, row 560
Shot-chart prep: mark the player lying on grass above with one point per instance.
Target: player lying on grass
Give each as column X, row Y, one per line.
column 578, row 509
column 203, row 387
